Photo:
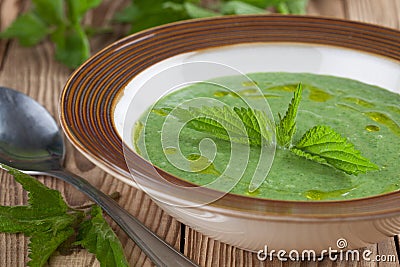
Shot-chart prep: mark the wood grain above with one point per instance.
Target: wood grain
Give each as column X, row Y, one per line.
column 382, row 12
column 34, row 72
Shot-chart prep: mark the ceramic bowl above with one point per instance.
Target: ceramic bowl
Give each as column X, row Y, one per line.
column 97, row 116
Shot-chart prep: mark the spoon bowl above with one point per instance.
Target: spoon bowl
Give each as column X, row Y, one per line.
column 31, row 141
column 29, row 137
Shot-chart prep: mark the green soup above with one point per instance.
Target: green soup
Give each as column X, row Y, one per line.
column 367, row 115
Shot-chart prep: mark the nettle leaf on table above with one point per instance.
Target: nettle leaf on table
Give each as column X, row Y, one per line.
column 45, row 219
column 49, row 222
column 97, row 237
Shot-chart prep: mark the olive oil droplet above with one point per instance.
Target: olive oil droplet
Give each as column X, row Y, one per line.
column 170, row 150
column 160, row 112
column 322, row 195
column 221, row 93
column 372, row 128
column 318, row 95
column 198, row 164
column 253, row 194
column 385, row 120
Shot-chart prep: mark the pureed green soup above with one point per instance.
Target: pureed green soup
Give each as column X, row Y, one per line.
column 368, row 116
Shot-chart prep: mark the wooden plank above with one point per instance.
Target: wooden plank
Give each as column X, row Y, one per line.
column 34, row 72
column 387, row 250
column 331, row 8
column 9, row 10
column 382, row 12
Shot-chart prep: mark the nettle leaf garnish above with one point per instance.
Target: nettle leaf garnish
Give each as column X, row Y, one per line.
column 324, row 145
column 321, row 144
column 51, row 223
column 239, row 125
column 286, row 128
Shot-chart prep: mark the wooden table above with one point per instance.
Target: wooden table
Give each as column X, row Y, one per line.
column 34, row 72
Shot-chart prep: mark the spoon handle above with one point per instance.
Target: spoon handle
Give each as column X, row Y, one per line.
column 160, row 252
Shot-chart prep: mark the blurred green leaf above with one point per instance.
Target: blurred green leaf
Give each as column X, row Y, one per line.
column 195, row 11
column 29, row 29
column 297, row 6
column 143, row 14
column 72, row 46
column 292, row 7
column 127, row 15
column 59, row 19
column 77, row 8
column 51, row 12
column 150, row 13
column 240, row 8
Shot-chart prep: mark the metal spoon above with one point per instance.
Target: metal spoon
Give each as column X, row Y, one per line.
column 30, row 140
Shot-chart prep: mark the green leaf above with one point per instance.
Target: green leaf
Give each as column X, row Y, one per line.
column 78, row 8
column 40, row 196
column 258, row 126
column 45, row 219
column 293, row 7
column 42, row 245
column 240, row 8
column 29, row 29
column 189, row 10
column 51, row 12
column 286, row 127
column 97, row 237
column 72, row 46
column 322, row 142
column 150, row 13
column 259, row 3
column 239, row 125
column 194, row 11
column 306, row 155
column 127, row 15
